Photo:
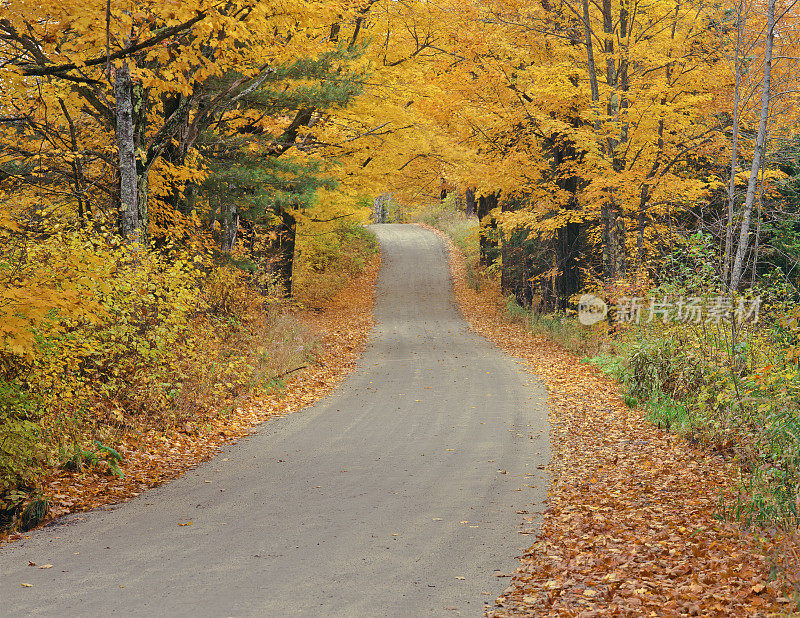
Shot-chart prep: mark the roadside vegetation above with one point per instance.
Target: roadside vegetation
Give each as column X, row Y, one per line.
column 730, row 388
column 165, row 343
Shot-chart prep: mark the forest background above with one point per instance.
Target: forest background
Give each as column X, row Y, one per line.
column 177, row 178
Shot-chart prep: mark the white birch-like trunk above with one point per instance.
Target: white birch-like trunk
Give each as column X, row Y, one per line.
column 747, row 211
column 230, row 228
column 726, row 260
column 129, row 190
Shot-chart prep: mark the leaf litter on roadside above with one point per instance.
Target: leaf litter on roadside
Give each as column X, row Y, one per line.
column 629, row 527
column 342, row 329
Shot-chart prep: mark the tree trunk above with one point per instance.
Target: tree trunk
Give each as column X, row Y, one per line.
column 615, row 219
column 230, row 226
column 129, row 185
column 726, row 260
column 380, row 210
column 607, row 220
column 568, row 282
column 78, row 179
column 758, row 227
column 568, row 240
column 613, row 238
column 511, row 253
column 471, row 206
column 287, row 233
column 488, row 242
column 612, row 224
column 587, row 28
column 612, row 105
column 644, row 198
column 744, row 233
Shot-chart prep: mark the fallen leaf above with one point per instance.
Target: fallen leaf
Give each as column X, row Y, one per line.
column 343, row 329
column 633, row 506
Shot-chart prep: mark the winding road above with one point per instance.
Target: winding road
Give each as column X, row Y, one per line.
column 397, row 495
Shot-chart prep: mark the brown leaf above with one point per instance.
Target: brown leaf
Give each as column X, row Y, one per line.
column 633, row 507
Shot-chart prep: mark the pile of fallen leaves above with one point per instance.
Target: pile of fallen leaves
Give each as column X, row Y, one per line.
column 158, row 456
column 630, row 526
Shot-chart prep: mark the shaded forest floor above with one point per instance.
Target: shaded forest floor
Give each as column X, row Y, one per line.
column 340, row 332
column 630, row 526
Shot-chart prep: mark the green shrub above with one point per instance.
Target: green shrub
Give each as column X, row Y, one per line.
column 669, row 414
column 104, row 456
column 21, row 456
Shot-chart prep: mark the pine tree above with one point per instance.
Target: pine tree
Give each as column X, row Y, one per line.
column 263, row 173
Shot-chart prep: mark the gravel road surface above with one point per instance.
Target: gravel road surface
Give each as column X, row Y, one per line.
column 397, row 495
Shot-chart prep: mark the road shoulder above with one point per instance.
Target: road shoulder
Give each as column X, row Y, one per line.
column 630, row 526
column 342, row 329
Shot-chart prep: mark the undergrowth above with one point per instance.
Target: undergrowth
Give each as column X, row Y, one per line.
column 735, row 393
column 172, row 341
column 732, row 387
column 328, row 259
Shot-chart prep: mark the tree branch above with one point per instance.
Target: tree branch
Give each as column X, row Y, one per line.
column 123, row 53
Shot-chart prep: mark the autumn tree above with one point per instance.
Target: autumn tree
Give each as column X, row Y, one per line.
column 587, row 116
column 762, row 96
column 157, row 77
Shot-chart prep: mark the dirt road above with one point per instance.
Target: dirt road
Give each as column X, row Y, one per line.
column 395, row 496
